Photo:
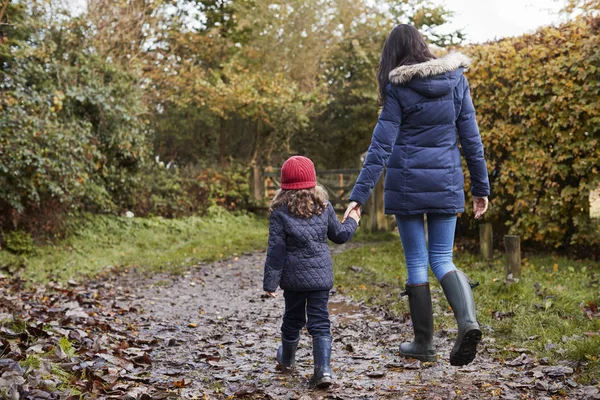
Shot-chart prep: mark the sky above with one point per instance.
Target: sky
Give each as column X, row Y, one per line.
column 484, row 20
column 481, row 20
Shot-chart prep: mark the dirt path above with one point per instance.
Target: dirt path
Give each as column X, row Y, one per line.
column 217, row 338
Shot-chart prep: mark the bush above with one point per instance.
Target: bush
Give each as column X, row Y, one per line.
column 537, row 102
column 228, row 188
column 18, row 242
column 168, row 191
column 71, row 126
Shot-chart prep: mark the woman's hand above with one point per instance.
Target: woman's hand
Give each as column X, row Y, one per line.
column 352, row 206
column 480, row 206
column 271, row 294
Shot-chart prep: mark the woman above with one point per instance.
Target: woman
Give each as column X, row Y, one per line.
column 427, row 110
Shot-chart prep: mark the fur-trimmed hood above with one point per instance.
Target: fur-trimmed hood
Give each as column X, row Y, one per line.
column 448, row 63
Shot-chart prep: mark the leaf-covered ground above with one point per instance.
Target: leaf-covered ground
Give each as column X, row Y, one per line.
column 210, row 333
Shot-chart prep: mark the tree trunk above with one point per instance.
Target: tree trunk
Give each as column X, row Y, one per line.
column 223, row 143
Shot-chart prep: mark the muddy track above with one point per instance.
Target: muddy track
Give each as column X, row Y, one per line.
column 217, row 336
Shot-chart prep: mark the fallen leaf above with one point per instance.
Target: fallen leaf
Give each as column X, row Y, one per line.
column 181, row 384
column 375, row 374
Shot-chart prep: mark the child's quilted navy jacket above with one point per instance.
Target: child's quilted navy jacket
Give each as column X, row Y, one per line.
column 298, row 257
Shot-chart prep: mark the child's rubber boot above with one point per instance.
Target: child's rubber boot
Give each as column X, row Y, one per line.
column 421, row 315
column 457, row 289
column 286, row 354
column 323, row 376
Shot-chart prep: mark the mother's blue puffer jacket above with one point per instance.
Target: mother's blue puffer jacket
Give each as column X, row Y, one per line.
column 427, row 111
column 298, row 257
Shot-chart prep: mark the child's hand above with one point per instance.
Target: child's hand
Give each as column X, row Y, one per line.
column 271, row 294
column 352, row 206
column 354, row 215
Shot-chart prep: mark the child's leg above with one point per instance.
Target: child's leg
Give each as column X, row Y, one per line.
column 318, row 315
column 294, row 317
column 319, row 328
column 412, row 235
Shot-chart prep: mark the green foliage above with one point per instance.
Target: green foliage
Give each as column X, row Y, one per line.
column 536, row 98
column 228, row 188
column 66, row 346
column 72, row 131
column 32, row 362
column 169, row 191
column 18, row 242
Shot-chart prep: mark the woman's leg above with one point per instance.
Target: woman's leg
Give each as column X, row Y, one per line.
column 456, row 287
column 440, row 229
column 412, row 234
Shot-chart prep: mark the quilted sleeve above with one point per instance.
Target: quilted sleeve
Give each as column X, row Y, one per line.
column 336, row 231
column 470, row 141
column 382, row 144
column 275, row 253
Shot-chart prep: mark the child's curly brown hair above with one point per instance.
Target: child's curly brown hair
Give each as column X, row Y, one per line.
column 303, row 203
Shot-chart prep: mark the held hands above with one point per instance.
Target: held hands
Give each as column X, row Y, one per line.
column 271, row 294
column 353, row 211
column 480, row 206
column 354, row 215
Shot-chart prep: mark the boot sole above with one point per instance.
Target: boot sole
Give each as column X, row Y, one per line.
column 286, row 370
column 323, row 383
column 419, row 357
column 467, row 349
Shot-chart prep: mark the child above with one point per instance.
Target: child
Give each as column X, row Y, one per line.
column 299, row 261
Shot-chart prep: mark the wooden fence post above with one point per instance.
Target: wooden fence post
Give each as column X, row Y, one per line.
column 258, row 184
column 486, row 240
column 512, row 243
column 374, row 218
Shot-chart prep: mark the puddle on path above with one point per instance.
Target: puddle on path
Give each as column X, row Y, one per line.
column 344, row 311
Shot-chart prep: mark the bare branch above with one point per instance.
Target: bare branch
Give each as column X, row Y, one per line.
column 3, row 10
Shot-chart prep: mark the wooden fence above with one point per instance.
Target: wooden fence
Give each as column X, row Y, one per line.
column 338, row 183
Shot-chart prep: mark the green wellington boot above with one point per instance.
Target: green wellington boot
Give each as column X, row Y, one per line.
column 421, row 314
column 457, row 289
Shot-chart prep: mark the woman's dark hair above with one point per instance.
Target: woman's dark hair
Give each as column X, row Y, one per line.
column 404, row 46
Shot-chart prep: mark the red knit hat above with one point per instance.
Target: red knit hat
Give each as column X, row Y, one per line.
column 298, row 173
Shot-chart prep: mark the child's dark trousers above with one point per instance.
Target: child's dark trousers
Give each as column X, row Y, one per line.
column 299, row 306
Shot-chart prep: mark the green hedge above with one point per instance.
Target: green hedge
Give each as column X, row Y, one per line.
column 537, row 102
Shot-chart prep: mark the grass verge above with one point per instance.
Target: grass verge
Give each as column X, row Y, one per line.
column 552, row 310
column 156, row 244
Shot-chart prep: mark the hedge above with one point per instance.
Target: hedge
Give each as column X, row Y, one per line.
column 537, row 99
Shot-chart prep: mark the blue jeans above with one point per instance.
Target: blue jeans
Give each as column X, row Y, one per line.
column 299, row 305
column 440, row 231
